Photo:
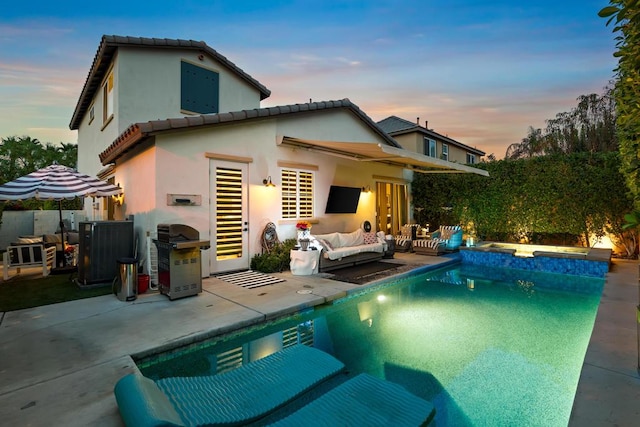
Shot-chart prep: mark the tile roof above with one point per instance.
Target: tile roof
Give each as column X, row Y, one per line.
column 110, row 44
column 138, row 132
column 396, row 126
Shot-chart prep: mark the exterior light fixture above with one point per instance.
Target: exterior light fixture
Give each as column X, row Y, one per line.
column 366, row 189
column 267, row 182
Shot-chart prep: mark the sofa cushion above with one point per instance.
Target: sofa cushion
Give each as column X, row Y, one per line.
column 354, row 238
column 432, row 244
column 52, row 238
column 28, row 240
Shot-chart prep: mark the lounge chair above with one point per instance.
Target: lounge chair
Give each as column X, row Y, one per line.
column 433, row 247
column 450, row 235
column 231, row 398
column 406, row 237
column 363, row 401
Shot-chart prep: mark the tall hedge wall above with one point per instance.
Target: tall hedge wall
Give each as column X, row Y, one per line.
column 549, row 199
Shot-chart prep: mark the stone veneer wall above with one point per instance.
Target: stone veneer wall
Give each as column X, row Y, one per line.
column 555, row 264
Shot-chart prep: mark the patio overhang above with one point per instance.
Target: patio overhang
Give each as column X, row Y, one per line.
column 375, row 152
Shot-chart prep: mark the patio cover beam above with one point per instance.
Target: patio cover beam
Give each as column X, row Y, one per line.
column 374, row 152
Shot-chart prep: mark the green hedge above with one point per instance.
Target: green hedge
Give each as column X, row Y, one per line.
column 550, row 199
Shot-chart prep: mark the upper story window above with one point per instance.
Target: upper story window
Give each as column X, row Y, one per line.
column 107, row 98
column 445, row 152
column 471, row 159
column 297, row 193
column 199, row 89
column 430, row 147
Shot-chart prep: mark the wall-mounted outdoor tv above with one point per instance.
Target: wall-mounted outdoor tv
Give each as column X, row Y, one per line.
column 343, row 199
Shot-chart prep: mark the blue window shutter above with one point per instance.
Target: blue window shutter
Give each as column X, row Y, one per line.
column 199, row 89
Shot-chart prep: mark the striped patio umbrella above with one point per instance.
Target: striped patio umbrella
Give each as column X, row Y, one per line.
column 56, row 182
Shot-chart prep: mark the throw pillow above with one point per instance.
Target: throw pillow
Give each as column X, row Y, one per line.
column 370, row 238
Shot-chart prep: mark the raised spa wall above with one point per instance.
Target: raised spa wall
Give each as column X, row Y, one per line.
column 592, row 262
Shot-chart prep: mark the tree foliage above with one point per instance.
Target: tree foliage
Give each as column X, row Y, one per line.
column 559, row 199
column 625, row 17
column 20, row 156
column 589, row 127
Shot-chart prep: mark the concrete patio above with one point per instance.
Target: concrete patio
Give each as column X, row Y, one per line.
column 59, row 363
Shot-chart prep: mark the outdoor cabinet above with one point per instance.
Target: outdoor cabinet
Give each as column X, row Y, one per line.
column 101, row 244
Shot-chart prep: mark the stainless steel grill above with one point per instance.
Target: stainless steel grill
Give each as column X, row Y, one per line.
column 179, row 260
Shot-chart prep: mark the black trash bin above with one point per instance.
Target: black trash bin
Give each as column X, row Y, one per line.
column 125, row 285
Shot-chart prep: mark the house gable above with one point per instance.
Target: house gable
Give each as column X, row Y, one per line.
column 107, row 51
column 414, row 137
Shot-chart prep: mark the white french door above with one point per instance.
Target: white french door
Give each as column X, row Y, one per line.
column 229, row 216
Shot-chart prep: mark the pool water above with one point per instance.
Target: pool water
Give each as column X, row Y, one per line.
column 488, row 346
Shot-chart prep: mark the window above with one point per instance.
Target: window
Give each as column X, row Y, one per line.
column 445, row 152
column 297, row 193
column 199, row 89
column 91, row 114
column 471, row 159
column 107, row 99
column 430, row 147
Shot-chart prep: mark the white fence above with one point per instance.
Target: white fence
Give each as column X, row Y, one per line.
column 36, row 223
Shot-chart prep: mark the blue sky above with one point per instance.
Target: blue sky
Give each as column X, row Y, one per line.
column 479, row 73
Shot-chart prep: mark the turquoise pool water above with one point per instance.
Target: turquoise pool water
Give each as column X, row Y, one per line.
column 488, row 346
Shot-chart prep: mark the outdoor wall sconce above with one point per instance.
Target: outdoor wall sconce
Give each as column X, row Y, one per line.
column 118, row 199
column 366, row 189
column 267, row 182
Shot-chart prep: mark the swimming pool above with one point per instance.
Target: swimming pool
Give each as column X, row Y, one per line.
column 488, row 346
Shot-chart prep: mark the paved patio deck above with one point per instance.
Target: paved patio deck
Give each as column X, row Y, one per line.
column 59, row 363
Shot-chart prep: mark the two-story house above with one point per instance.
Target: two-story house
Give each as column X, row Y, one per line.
column 180, row 128
column 414, row 137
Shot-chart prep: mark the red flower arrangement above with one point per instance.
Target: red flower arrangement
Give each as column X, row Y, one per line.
column 303, row 225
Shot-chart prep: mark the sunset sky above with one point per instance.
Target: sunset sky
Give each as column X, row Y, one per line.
column 479, row 73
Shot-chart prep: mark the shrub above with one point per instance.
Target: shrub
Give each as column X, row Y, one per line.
column 275, row 261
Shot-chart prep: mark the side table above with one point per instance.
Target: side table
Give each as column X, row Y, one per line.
column 391, row 249
column 304, row 263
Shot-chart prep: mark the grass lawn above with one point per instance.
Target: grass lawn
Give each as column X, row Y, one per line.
column 33, row 291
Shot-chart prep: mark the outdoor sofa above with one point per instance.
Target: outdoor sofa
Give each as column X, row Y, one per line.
column 340, row 250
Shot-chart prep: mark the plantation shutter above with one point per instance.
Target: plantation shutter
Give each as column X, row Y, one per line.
column 297, row 194
column 305, row 195
column 289, row 193
column 228, row 213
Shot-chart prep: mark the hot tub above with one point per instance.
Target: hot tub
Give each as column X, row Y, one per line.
column 590, row 262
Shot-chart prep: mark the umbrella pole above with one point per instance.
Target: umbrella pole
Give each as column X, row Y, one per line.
column 61, row 226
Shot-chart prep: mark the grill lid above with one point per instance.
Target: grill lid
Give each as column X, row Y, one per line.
column 171, row 233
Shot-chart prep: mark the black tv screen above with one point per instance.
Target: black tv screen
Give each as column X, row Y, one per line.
column 343, row 199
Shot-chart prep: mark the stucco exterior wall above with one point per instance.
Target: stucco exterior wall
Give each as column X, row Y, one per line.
column 181, row 167
column 411, row 141
column 415, row 142
column 147, row 87
column 93, row 135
